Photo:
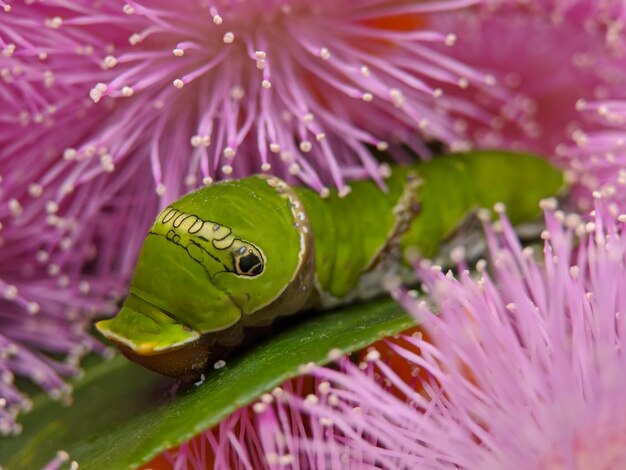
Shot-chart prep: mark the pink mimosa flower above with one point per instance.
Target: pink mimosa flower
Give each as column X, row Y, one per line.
column 598, row 154
column 557, row 57
column 212, row 89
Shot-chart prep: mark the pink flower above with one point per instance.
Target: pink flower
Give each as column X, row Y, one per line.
column 61, row 266
column 208, row 90
column 522, row 368
column 557, row 57
column 598, row 154
column 47, row 302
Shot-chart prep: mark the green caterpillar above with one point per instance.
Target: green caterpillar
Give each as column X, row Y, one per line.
column 230, row 258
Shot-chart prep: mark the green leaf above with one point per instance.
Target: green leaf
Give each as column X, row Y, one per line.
column 123, row 416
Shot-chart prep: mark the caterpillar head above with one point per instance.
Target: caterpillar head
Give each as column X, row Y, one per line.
column 232, row 255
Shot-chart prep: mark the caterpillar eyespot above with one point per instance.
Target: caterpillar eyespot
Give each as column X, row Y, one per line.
column 248, row 261
column 230, row 258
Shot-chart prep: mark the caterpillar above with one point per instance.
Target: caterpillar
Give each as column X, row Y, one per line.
column 233, row 257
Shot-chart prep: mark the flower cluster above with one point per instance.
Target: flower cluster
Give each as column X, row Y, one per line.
column 521, row 367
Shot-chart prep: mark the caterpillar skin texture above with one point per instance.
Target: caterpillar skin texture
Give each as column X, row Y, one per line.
column 230, row 258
